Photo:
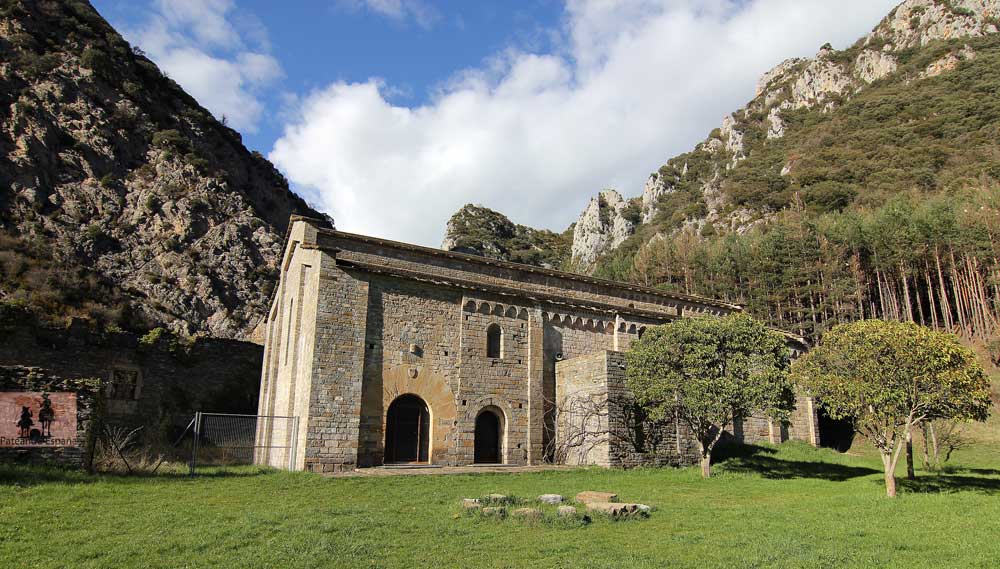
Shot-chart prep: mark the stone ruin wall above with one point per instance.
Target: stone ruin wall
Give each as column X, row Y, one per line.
column 600, row 423
column 216, row 375
column 633, row 440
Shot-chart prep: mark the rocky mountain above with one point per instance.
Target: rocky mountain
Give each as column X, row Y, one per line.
column 478, row 230
column 122, row 200
column 829, row 131
column 766, row 155
column 606, row 223
column 859, row 183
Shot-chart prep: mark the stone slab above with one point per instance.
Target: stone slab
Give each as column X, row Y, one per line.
column 590, row 496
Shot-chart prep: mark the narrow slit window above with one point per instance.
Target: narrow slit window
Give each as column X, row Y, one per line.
column 494, row 341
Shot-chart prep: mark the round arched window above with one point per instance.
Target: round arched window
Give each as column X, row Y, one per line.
column 494, row 341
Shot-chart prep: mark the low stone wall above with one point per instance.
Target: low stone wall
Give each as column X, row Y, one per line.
column 156, row 385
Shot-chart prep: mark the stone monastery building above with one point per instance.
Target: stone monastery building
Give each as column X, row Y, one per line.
column 395, row 353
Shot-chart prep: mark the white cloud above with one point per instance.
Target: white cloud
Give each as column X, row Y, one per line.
column 199, row 44
column 399, row 10
column 535, row 135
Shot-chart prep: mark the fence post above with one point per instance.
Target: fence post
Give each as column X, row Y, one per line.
column 197, row 437
column 295, row 444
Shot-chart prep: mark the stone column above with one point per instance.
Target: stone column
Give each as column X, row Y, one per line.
column 536, row 392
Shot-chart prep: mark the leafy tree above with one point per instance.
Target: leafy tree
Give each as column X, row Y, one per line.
column 709, row 372
column 891, row 376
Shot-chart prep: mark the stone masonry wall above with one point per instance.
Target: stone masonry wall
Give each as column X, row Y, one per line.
column 497, row 382
column 412, row 330
column 341, row 314
column 357, row 322
column 581, row 411
column 598, row 422
column 216, row 375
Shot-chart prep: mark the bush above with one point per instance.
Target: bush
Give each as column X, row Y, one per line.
column 171, row 140
column 37, row 66
column 95, row 232
column 95, row 60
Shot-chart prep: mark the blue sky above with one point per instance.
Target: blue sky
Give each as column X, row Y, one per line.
column 318, row 43
column 391, row 114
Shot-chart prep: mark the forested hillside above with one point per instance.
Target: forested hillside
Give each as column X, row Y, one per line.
column 123, row 202
column 883, row 203
column 858, row 183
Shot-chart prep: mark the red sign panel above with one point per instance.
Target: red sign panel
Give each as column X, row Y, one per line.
column 33, row 419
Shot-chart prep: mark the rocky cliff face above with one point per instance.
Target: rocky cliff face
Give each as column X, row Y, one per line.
column 478, row 230
column 711, row 189
column 688, row 190
column 120, row 178
column 606, row 222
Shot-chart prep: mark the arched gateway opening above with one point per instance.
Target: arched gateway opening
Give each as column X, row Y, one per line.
column 407, row 430
column 489, row 438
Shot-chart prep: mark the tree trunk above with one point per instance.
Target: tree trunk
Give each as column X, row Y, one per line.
column 927, row 443
column 890, row 474
column 706, row 465
column 934, row 444
column 909, row 455
column 945, row 307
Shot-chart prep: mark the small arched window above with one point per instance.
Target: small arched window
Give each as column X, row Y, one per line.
column 494, row 341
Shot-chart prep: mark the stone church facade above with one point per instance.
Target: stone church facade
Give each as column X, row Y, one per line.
column 394, row 353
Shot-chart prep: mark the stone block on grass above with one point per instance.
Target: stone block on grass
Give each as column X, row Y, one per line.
column 528, row 513
column 551, row 498
column 618, row 510
column 589, row 496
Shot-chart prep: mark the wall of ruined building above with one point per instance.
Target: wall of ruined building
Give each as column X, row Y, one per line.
column 77, row 455
column 598, row 423
column 214, row 375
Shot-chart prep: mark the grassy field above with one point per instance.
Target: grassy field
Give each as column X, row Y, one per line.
column 786, row 506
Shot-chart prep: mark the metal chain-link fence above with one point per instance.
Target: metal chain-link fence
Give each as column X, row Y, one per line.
column 222, row 440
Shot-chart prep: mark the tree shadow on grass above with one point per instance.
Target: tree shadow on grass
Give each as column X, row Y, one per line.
column 753, row 459
column 33, row 475
column 935, row 483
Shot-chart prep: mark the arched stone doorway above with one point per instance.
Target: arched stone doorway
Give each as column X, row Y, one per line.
column 407, row 430
column 489, row 437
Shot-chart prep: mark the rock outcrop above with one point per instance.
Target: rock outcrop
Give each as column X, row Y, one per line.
column 121, row 177
column 689, row 192
column 606, row 222
column 916, row 23
column 477, row 230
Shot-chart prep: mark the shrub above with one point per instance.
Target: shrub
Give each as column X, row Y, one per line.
column 95, row 60
column 171, row 140
column 95, row 232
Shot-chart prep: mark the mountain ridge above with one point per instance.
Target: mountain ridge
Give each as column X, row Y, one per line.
column 125, row 202
column 695, row 190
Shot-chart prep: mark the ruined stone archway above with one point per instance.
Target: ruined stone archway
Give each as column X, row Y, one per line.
column 407, row 430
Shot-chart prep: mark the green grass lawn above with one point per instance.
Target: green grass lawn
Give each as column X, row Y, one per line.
column 786, row 506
